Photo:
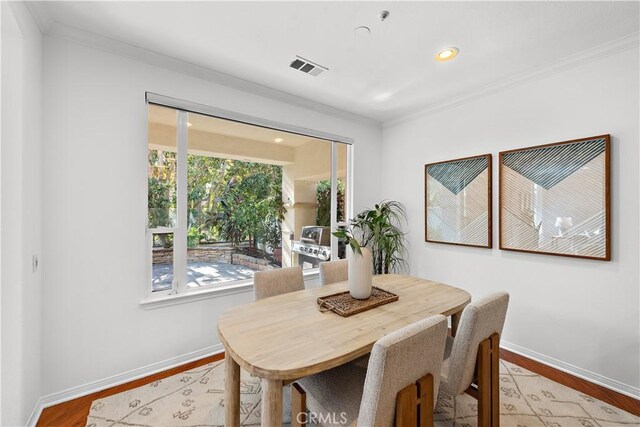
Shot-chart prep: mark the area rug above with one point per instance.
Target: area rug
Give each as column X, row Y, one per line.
column 196, row 398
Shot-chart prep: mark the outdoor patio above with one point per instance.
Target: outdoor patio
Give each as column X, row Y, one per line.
column 200, row 274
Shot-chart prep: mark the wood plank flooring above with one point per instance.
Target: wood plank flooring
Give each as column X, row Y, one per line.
column 611, row 397
column 74, row 412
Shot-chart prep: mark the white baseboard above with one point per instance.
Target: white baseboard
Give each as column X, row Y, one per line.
column 92, row 387
column 35, row 415
column 592, row 377
column 125, row 377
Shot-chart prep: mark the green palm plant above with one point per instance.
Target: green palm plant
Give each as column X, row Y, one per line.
column 379, row 230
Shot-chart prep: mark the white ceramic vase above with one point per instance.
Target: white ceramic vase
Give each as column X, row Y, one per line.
column 360, row 272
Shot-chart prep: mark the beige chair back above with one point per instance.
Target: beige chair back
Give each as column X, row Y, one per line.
column 275, row 282
column 334, row 272
column 479, row 321
column 398, row 360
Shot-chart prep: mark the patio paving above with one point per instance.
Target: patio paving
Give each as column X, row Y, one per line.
column 200, row 274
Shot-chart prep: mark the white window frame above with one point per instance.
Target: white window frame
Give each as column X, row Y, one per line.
column 179, row 291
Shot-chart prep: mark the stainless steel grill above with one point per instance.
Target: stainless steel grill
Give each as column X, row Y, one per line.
column 314, row 245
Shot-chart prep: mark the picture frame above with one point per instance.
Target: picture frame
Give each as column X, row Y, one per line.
column 458, row 201
column 555, row 199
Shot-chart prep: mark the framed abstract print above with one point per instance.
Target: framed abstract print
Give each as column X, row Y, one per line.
column 458, row 201
column 554, row 199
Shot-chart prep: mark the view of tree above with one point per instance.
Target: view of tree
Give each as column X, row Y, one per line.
column 162, row 188
column 323, row 189
column 227, row 200
column 249, row 204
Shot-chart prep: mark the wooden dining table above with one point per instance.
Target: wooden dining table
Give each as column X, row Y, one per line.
column 286, row 337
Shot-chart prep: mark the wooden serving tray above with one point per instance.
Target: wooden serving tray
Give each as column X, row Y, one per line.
column 345, row 305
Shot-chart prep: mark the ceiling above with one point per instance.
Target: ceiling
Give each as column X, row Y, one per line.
column 383, row 76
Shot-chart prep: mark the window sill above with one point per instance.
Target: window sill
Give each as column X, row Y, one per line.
column 165, row 300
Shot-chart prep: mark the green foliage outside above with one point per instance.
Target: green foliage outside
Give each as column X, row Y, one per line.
column 162, row 193
column 227, row 200
column 194, row 236
column 323, row 216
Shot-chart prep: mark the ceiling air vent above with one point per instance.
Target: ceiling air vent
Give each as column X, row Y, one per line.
column 307, row 66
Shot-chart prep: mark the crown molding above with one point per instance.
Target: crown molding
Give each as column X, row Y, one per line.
column 40, row 15
column 99, row 42
column 622, row 44
column 55, row 29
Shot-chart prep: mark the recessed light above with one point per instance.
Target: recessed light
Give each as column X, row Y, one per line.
column 447, row 54
column 383, row 96
column 189, row 124
column 278, row 140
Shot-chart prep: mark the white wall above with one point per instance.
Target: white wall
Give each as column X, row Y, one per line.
column 95, row 202
column 580, row 312
column 21, row 213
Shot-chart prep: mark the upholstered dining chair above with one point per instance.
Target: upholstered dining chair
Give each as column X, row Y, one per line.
column 473, row 355
column 351, row 394
column 334, row 272
column 278, row 281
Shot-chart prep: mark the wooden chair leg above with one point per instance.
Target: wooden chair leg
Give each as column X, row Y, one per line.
column 488, row 369
column 414, row 404
column 298, row 406
column 495, row 380
column 426, row 401
column 407, row 406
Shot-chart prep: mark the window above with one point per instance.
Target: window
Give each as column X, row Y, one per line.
column 227, row 198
